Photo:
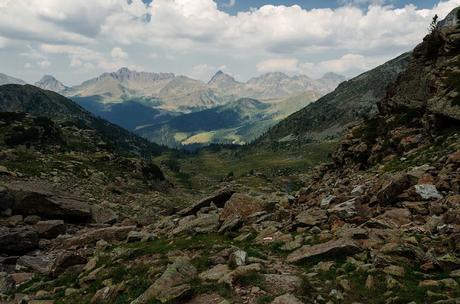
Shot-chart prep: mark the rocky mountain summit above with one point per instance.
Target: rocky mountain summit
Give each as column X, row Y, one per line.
column 48, row 82
column 380, row 223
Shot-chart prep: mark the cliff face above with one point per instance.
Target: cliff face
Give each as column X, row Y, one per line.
column 431, row 83
column 420, row 107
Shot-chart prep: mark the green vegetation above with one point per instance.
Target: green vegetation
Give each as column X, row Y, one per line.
column 254, row 167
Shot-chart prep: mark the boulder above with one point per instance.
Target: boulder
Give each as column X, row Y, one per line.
column 390, row 191
column 344, row 210
column 38, row 199
column 103, row 215
column 204, row 223
column 326, row 201
column 395, row 217
column 242, row 205
column 50, row 229
column 286, row 299
column 358, row 190
column 330, row 249
column 109, row 234
column 231, row 224
column 283, row 283
column 134, row 236
column 238, row 258
column 172, row 285
column 66, row 259
column 20, row 278
column 32, row 219
column 311, row 217
column 219, row 199
column 40, row 263
column 215, row 273
column 427, row 192
column 18, row 240
column 108, row 294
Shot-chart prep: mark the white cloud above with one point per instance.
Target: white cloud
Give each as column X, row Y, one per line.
column 118, row 53
column 44, row 63
column 278, row 64
column 189, row 32
column 38, row 58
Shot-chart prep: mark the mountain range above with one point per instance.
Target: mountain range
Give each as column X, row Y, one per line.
column 150, row 103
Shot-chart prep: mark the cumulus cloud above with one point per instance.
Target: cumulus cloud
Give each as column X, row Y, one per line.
column 347, row 38
column 118, row 53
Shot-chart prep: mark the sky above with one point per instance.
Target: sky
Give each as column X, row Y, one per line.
column 75, row 40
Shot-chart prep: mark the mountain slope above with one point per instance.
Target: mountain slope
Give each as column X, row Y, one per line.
column 38, row 102
column 5, row 79
column 129, row 114
column 330, row 115
column 50, row 83
column 216, row 125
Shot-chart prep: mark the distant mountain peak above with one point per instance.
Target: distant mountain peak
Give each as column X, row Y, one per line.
column 125, row 73
column 221, row 78
column 6, row 79
column 50, row 83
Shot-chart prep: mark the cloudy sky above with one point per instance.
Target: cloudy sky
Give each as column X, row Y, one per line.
column 75, row 40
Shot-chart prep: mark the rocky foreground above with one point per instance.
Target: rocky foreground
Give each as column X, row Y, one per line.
column 356, row 237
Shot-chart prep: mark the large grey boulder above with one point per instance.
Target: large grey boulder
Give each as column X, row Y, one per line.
column 39, row 263
column 173, row 283
column 39, row 199
column 219, row 199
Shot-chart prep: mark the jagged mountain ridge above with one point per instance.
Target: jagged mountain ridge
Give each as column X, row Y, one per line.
column 183, row 93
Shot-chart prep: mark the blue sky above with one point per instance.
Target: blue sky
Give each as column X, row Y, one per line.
column 77, row 40
column 234, row 6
